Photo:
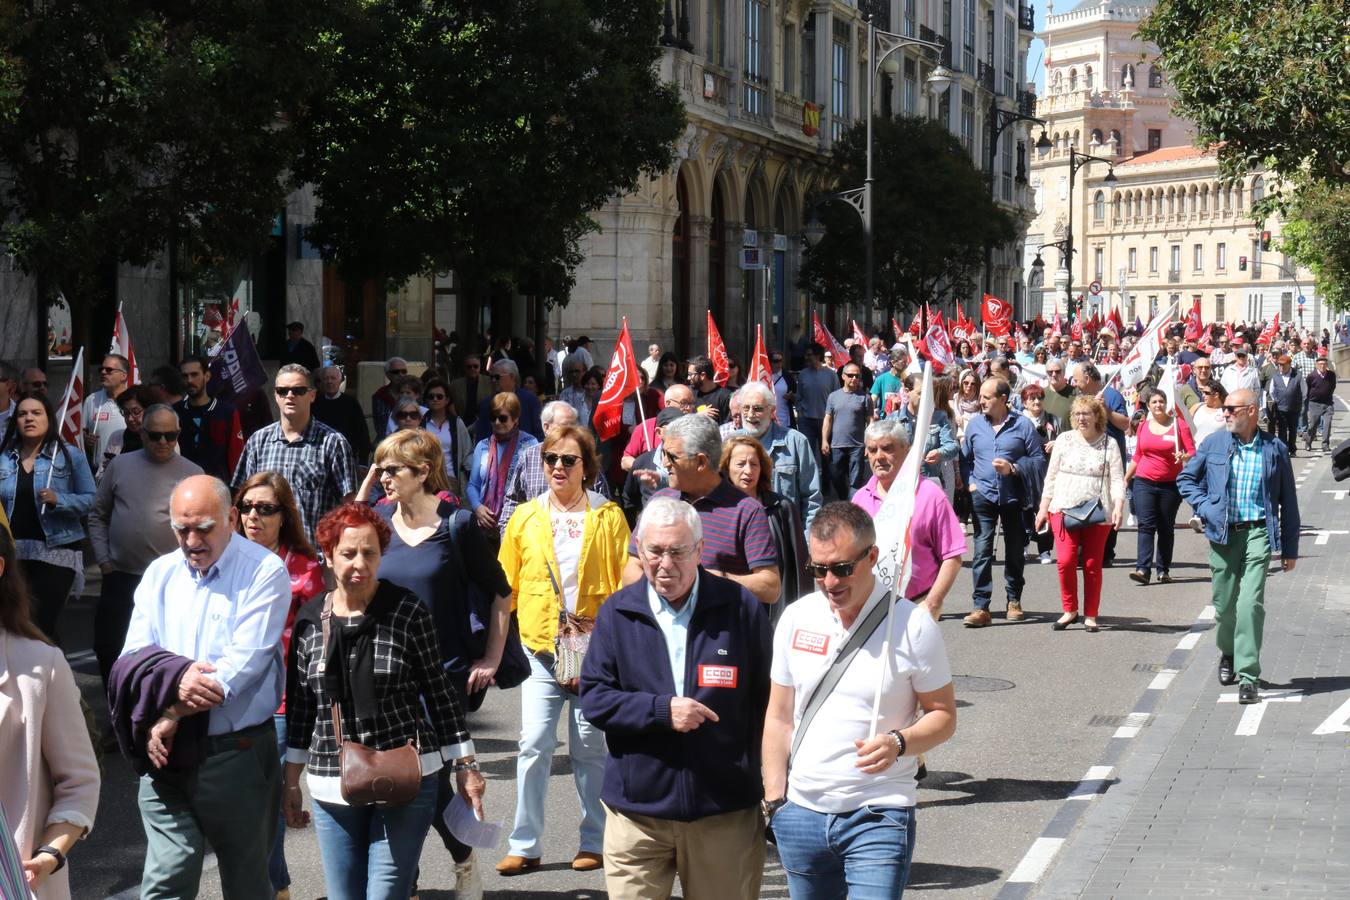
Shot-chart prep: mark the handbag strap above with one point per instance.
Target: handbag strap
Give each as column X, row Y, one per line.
column 821, row 692
column 333, row 707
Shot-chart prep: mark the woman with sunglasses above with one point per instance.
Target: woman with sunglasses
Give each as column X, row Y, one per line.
column 436, row 553
column 268, row 516
column 1208, row 417
column 46, row 487
column 563, row 554
column 494, row 460
column 443, row 422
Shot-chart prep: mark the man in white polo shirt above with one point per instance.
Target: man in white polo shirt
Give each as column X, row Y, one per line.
column 843, row 816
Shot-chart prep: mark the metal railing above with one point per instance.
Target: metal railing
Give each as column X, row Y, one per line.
column 1026, row 17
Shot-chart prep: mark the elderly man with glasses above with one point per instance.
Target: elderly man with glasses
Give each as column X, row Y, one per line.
column 383, row 400
column 505, row 378
column 795, row 474
column 1241, row 485
column 314, row 459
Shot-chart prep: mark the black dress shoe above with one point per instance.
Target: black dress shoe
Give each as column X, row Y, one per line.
column 1226, row 673
column 1247, row 692
column 1061, row 624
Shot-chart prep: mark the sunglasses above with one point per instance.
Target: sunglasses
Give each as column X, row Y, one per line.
column 389, row 471
column 568, row 460
column 38, row 385
column 167, row 437
column 262, row 509
column 838, row 570
column 501, row 420
column 397, row 372
column 1233, row 410
column 851, row 375
column 106, row 370
column 408, row 415
column 435, row 396
column 288, row 391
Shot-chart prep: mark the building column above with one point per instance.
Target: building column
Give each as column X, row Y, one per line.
column 700, row 228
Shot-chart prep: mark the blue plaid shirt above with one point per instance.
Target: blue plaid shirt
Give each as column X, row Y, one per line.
column 1244, row 482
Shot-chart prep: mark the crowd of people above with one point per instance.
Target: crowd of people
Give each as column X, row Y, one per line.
column 296, row 620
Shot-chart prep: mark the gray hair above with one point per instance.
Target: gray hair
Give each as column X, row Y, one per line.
column 669, row 511
column 552, row 408
column 393, row 361
column 296, row 369
column 757, row 387
column 882, row 429
column 155, row 408
column 699, row 434
column 405, row 403
column 506, row 367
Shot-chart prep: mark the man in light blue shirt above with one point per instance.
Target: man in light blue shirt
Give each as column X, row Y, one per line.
column 220, row 600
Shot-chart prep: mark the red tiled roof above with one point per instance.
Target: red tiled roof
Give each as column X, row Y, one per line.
column 1168, row 154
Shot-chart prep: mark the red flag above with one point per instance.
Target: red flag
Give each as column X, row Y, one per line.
column 858, row 335
column 621, row 381
column 1268, row 334
column 895, row 327
column 121, row 345
column 1193, row 324
column 1115, row 319
column 759, row 363
column 936, row 348
column 996, row 315
column 1058, row 327
column 964, row 329
column 232, row 314
column 1206, row 343
column 1228, row 331
column 71, row 412
column 717, row 352
column 916, row 327
column 826, row 340
column 1076, row 329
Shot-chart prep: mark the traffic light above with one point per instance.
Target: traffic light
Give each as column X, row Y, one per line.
column 1242, row 263
column 1265, row 240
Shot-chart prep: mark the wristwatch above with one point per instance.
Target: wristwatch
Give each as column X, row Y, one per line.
column 52, row 851
column 899, row 741
column 769, row 807
column 470, row 766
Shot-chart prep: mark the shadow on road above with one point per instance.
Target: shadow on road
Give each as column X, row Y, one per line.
column 935, row 877
column 992, row 790
column 1327, row 684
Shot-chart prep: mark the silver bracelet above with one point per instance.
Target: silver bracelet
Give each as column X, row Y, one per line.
column 470, row 766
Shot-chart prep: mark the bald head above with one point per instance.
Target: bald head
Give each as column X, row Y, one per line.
column 1242, row 420
column 203, row 519
column 681, row 396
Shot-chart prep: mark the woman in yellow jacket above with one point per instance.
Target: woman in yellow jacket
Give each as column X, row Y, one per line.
column 563, row 554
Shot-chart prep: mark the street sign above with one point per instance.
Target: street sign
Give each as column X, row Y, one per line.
column 752, row 258
column 1095, row 287
column 1302, row 299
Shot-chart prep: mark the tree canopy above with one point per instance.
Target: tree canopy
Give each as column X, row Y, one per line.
column 933, row 212
column 478, row 134
column 125, row 124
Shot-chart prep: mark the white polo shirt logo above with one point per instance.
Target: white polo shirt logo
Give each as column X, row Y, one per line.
column 810, row 641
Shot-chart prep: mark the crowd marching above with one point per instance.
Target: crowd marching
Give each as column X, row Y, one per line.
column 297, row 619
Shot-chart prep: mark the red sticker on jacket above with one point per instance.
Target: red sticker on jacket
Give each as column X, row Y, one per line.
column 717, row 676
column 810, row 641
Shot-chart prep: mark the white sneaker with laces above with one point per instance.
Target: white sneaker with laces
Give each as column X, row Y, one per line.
column 468, row 884
column 1196, row 525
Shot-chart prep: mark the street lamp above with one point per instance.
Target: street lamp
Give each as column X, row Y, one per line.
column 880, row 44
column 999, row 120
column 1077, row 161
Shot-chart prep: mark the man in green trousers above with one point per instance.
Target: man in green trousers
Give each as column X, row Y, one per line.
column 1241, row 485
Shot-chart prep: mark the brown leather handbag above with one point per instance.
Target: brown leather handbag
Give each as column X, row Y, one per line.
column 372, row 777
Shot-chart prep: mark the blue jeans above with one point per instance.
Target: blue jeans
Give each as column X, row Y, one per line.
column 848, row 470
column 1155, row 506
column 369, row 852
column 542, row 701
column 276, row 861
column 987, row 516
column 860, row 855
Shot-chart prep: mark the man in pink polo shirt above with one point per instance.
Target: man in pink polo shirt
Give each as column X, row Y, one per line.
column 939, row 542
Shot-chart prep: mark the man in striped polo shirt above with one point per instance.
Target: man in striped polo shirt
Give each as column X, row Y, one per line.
column 737, row 543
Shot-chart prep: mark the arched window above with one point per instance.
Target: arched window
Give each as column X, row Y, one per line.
column 1171, row 202
column 1098, row 206
column 1237, row 196
column 1087, row 77
column 1155, row 76
column 1181, row 203
column 1204, row 200
column 1258, row 189
column 1097, row 136
column 1148, row 204
column 1077, row 140
column 1116, row 204
column 1073, row 80
column 1058, row 83
column 1228, row 200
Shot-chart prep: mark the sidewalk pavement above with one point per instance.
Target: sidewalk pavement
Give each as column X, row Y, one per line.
column 1198, row 796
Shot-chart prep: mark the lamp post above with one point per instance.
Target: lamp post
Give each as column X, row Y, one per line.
column 880, row 45
column 1077, row 161
column 999, row 120
column 1065, row 247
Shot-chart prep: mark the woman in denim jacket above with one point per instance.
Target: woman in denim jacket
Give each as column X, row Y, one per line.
column 45, row 486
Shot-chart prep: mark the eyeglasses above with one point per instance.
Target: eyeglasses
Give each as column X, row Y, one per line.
column 167, row 437
column 676, row 554
column 568, row 460
column 672, row 459
column 263, row 509
column 501, row 420
column 838, row 570
column 1233, row 410
column 390, row 471
column 435, row 396
column 288, row 391
column 752, row 410
column 408, row 414
column 851, row 375
column 105, row 370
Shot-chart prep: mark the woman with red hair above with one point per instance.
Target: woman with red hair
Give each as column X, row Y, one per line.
column 378, row 672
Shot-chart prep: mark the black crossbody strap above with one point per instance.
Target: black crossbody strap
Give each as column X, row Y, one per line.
column 826, row 685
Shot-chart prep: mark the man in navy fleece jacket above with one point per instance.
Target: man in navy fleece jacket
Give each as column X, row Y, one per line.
column 677, row 676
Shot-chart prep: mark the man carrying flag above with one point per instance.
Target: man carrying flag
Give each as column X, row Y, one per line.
column 101, row 416
column 121, row 345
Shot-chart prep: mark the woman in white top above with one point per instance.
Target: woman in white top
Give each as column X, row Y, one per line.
column 1208, row 417
column 1085, row 467
column 442, row 421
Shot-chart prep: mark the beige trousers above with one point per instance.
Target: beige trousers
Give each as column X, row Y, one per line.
column 717, row 858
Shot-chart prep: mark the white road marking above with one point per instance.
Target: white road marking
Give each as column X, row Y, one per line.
column 1337, row 722
column 1323, row 535
column 1133, row 722
column 1206, row 614
column 1340, row 495
column 1036, row 861
column 1188, row 640
column 1162, row 680
column 1092, row 783
column 1250, row 723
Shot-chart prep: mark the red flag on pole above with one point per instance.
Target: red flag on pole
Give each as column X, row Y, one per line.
column 717, row 352
column 1228, row 331
column 1058, row 327
column 827, row 340
column 759, row 364
column 1268, row 334
column 858, row 335
column 895, row 327
column 71, row 412
column 621, row 380
column 1193, row 324
column 121, row 345
column 1206, row 344
column 996, row 315
column 936, row 348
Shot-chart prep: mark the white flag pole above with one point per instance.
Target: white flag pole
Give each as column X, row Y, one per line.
column 65, row 405
column 642, row 416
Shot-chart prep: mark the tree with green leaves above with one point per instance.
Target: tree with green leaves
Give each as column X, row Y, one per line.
column 932, row 215
column 1268, row 82
column 1317, row 234
column 477, row 135
column 128, row 125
